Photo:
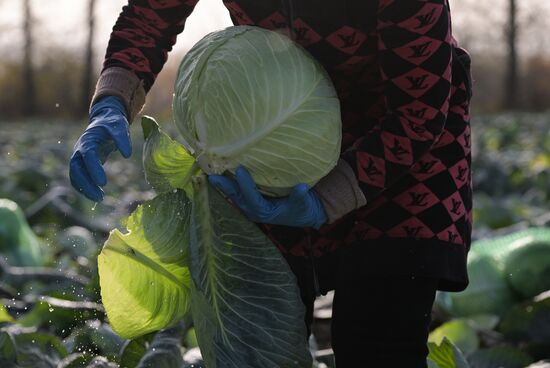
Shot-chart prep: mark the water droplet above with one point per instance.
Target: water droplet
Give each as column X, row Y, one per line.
column 94, row 206
column 50, row 309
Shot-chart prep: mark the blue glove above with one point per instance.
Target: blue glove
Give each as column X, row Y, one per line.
column 108, row 130
column 302, row 208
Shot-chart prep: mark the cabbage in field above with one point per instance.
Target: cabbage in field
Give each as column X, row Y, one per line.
column 18, row 244
column 487, row 293
column 248, row 96
column 527, row 267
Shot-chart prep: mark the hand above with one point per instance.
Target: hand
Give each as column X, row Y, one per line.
column 108, row 130
column 302, row 208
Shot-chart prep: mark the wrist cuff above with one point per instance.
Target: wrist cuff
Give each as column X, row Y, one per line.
column 339, row 192
column 122, row 83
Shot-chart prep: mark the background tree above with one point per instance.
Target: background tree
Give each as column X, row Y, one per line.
column 87, row 70
column 29, row 89
column 512, row 80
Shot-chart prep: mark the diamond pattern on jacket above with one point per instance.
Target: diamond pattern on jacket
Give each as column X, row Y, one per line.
column 417, row 199
column 371, row 169
column 419, row 50
column 304, row 34
column 347, row 39
column 411, row 228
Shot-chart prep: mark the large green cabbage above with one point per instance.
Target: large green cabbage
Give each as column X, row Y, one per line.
column 527, row 267
column 488, row 291
column 249, row 96
column 19, row 246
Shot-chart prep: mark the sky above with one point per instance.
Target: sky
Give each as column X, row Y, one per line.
column 61, row 22
column 478, row 24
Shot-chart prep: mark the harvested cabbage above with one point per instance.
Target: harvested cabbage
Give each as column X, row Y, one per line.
column 252, row 97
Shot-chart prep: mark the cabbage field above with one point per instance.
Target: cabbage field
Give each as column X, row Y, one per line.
column 51, row 312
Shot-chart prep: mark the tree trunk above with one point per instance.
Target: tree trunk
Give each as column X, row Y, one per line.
column 29, row 88
column 511, row 98
column 87, row 87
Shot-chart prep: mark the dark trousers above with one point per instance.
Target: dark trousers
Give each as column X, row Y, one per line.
column 377, row 320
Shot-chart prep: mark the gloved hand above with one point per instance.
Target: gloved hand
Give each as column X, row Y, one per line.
column 302, row 208
column 108, row 130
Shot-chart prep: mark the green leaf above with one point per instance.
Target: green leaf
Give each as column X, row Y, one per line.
column 245, row 301
column 191, row 339
column 165, row 350
column 528, row 321
column 4, row 315
column 167, row 164
column 446, row 355
column 499, row 356
column 483, row 322
column 95, row 337
column 8, row 353
column 143, row 274
column 19, row 246
column 39, row 350
column 459, row 332
column 133, row 350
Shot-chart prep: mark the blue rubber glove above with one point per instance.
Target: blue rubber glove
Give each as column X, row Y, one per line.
column 108, row 130
column 302, row 208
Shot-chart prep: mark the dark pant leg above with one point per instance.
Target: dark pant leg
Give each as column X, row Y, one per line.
column 382, row 321
column 313, row 275
column 304, row 277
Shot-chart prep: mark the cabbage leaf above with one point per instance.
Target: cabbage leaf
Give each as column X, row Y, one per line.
column 245, row 301
column 166, row 163
column 143, row 273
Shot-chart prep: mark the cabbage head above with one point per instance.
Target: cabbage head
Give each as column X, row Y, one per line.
column 252, row 97
column 527, row 267
column 487, row 293
column 19, row 246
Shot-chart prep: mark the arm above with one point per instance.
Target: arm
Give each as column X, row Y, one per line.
column 415, row 56
column 143, row 35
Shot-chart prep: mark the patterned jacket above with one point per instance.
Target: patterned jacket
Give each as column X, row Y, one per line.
column 404, row 87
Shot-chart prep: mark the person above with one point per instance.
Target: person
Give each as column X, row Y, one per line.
column 391, row 223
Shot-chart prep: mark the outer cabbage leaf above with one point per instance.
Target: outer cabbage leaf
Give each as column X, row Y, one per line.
column 19, row 246
column 459, row 332
column 487, row 293
column 245, row 301
column 445, row 355
column 144, row 276
column 250, row 96
column 167, row 164
column 4, row 315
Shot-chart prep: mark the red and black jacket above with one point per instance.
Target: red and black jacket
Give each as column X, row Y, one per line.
column 404, row 87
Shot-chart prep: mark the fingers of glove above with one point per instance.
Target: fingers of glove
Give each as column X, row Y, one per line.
column 94, row 168
column 229, row 187
column 251, row 195
column 121, row 136
column 299, row 195
column 81, row 180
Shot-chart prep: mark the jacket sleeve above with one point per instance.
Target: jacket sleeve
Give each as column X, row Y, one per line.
column 415, row 57
column 142, row 36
